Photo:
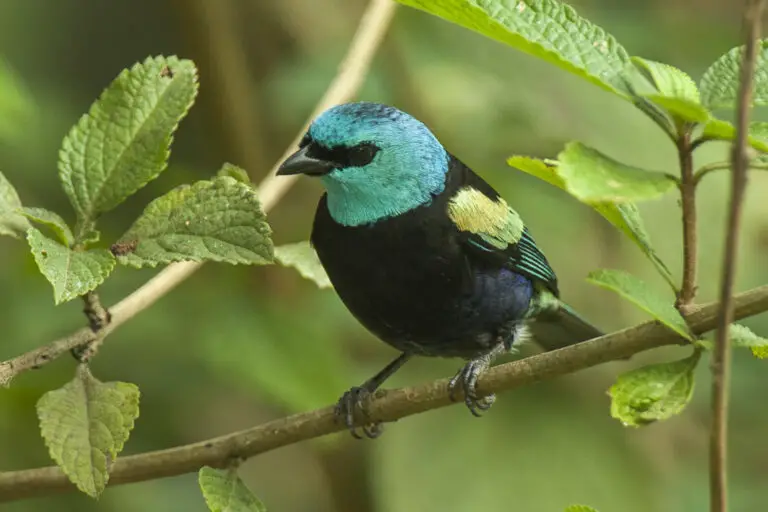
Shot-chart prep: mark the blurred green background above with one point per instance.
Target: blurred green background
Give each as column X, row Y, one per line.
column 236, row 346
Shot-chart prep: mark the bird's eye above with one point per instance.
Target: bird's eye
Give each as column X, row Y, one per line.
column 305, row 141
column 362, row 154
column 359, row 155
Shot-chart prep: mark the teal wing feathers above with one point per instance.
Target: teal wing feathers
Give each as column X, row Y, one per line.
column 494, row 231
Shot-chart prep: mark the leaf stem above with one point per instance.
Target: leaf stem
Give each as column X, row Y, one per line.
column 701, row 140
column 386, row 406
column 721, row 358
column 690, row 243
column 353, row 70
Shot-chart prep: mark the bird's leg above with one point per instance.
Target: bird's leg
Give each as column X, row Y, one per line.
column 345, row 408
column 467, row 378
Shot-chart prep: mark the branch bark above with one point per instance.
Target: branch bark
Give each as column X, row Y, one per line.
column 386, row 406
column 369, row 35
column 721, row 359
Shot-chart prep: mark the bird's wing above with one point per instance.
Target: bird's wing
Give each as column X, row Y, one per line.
column 494, row 232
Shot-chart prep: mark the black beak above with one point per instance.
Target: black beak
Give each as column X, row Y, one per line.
column 301, row 163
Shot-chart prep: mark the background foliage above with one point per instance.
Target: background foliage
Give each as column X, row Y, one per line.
column 238, row 345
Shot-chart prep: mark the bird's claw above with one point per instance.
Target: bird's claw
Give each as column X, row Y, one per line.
column 345, row 412
column 467, row 377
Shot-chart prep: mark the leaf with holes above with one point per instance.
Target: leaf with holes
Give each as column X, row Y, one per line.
column 547, row 29
column 654, row 392
column 51, row 220
column 12, row 223
column 637, row 292
column 123, row 142
column 224, row 491
column 216, row 220
column 303, row 258
column 625, row 216
column 593, row 177
column 85, row 425
column 720, row 83
column 72, row 273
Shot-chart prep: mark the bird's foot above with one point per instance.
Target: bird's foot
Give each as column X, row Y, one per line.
column 466, row 378
column 345, row 412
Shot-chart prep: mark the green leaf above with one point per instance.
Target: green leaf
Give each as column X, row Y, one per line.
column 668, row 80
column 53, row 221
column 303, row 258
column 224, row 491
column 680, row 109
column 593, row 177
column 123, row 142
column 636, row 291
column 720, row 83
column 11, row 222
column 235, row 172
column 718, row 129
column 580, row 508
column 217, row 220
column 72, row 273
column 89, row 237
column 758, row 131
column 742, row 336
column 677, row 92
column 547, row 29
column 654, row 392
column 625, row 216
column 85, row 425
column 545, row 170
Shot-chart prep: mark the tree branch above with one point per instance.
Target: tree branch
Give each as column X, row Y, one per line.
column 721, row 359
column 373, row 26
column 386, row 406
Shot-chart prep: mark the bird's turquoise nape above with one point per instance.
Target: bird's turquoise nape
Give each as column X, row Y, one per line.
column 423, row 252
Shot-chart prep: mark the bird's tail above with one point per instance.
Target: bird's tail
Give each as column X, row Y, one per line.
column 557, row 325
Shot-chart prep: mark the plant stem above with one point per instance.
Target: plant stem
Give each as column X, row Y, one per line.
column 690, row 243
column 721, row 358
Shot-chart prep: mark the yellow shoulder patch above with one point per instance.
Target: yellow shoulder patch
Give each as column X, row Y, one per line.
column 494, row 221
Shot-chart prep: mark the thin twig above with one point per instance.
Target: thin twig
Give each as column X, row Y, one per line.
column 721, row 166
column 386, row 406
column 690, row 242
column 353, row 69
column 721, row 358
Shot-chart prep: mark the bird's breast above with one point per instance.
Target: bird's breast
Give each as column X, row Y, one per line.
column 408, row 281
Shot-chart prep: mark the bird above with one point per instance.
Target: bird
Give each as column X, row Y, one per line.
column 423, row 252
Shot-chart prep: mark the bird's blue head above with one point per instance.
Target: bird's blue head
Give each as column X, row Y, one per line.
column 374, row 160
